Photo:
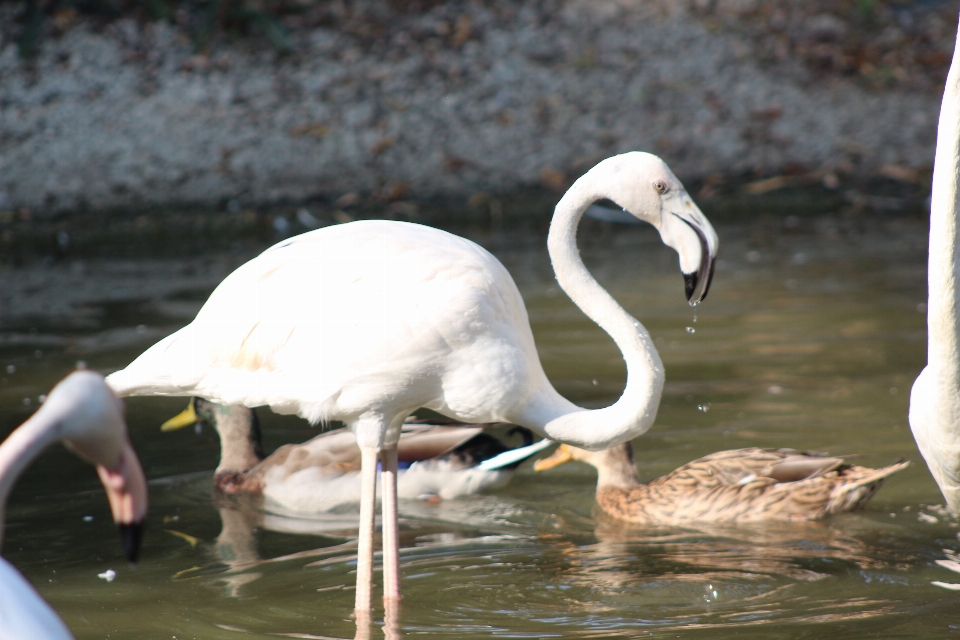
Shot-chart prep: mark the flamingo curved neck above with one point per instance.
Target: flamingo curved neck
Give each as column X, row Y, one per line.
column 17, row 452
column 636, row 410
column 943, row 274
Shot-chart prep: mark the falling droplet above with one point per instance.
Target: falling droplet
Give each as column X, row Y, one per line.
column 704, row 407
column 694, row 318
column 198, row 428
column 595, row 382
column 691, row 330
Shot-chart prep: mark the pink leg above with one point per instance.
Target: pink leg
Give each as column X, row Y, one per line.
column 391, row 526
column 368, row 503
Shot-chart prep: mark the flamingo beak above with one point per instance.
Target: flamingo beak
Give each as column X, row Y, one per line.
column 697, row 284
column 694, row 240
column 126, row 488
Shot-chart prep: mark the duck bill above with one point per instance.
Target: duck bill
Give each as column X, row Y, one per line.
column 561, row 456
column 183, row 419
column 126, row 488
column 684, row 228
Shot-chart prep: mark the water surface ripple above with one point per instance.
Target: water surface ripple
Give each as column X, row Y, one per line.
column 810, row 338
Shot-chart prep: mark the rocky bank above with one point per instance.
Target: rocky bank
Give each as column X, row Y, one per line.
column 446, row 99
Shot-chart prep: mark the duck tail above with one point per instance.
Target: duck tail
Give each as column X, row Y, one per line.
column 852, row 495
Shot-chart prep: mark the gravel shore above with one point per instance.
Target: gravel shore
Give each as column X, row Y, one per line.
column 460, row 97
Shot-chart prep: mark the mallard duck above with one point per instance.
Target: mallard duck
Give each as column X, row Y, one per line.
column 323, row 473
column 84, row 414
column 366, row 322
column 741, row 485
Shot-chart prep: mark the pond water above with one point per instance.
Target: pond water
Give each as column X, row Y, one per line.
column 810, row 338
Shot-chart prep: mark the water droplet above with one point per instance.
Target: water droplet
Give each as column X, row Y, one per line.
column 81, row 365
column 27, row 402
column 42, row 398
column 694, row 318
column 88, row 518
column 595, row 382
column 775, row 389
column 11, row 369
column 198, row 428
column 704, row 407
column 691, row 330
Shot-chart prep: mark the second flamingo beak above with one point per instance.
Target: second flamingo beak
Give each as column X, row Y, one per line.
column 126, row 487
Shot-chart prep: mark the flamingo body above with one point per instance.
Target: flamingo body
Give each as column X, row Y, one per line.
column 24, row 615
column 392, row 314
column 366, row 322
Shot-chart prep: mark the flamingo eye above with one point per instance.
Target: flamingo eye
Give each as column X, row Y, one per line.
column 660, row 186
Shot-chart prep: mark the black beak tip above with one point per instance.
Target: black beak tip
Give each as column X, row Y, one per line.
column 130, row 537
column 691, row 280
column 690, row 285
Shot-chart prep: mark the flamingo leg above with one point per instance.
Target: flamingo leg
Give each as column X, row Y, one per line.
column 368, row 503
column 391, row 526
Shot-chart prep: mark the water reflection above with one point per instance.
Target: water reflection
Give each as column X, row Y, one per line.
column 743, row 574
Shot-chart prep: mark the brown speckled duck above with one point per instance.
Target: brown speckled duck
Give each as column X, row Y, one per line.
column 741, row 485
column 322, row 474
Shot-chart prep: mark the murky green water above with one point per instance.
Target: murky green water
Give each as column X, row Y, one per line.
column 810, row 338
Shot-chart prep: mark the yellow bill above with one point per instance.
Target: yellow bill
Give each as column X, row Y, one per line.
column 183, row 419
column 562, row 455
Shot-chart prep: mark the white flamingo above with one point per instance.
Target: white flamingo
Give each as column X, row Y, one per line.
column 366, row 322
column 84, row 413
column 935, row 398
